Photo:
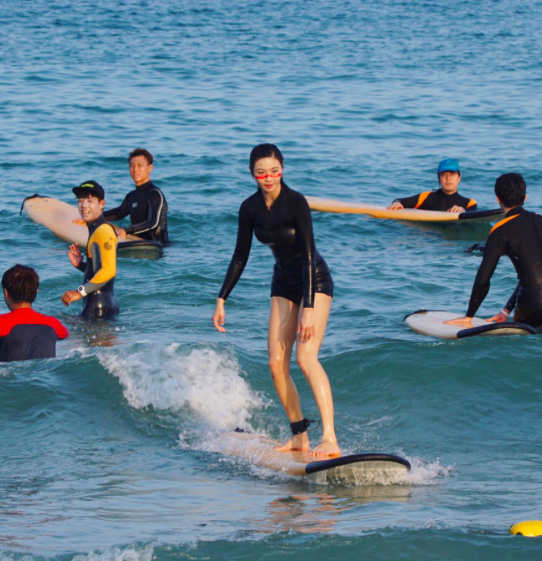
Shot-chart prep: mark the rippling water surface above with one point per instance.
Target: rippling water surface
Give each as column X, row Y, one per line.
column 107, row 451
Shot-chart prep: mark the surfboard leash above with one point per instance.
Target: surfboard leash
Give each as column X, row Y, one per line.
column 299, row 427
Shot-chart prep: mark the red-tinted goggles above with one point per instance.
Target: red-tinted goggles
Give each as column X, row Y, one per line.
column 274, row 176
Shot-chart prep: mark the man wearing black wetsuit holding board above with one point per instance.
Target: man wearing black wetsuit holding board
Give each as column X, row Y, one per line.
column 445, row 199
column 518, row 235
column 146, row 204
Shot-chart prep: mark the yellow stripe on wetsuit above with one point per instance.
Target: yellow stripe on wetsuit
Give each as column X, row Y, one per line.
column 421, row 198
column 102, row 246
column 503, row 221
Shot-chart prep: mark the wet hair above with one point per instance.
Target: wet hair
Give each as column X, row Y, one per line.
column 141, row 152
column 511, row 189
column 264, row 151
column 22, row 283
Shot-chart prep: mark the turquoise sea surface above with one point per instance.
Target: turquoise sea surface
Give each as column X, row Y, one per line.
column 108, row 452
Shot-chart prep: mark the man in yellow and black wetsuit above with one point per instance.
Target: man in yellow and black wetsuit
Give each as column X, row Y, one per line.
column 101, row 265
column 445, row 199
column 518, row 235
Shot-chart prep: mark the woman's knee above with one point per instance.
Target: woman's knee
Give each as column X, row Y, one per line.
column 306, row 361
column 277, row 366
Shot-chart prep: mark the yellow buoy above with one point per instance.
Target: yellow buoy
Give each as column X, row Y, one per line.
column 529, row 528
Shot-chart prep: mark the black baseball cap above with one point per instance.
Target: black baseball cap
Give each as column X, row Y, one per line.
column 89, row 188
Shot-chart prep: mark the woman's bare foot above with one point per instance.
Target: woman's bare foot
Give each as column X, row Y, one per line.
column 297, row 442
column 326, row 449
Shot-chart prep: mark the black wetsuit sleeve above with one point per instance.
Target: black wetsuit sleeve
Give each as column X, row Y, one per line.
column 156, row 207
column 305, row 238
column 409, row 202
column 82, row 266
column 240, row 255
column 495, row 247
column 119, row 212
column 511, row 304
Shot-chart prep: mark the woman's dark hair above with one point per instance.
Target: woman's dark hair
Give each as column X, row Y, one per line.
column 22, row 283
column 264, row 151
column 511, row 189
column 141, row 152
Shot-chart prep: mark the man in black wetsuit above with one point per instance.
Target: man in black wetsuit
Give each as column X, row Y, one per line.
column 146, row 204
column 518, row 235
column 101, row 265
column 445, row 199
column 24, row 333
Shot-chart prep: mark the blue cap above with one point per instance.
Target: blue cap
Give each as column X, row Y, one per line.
column 448, row 165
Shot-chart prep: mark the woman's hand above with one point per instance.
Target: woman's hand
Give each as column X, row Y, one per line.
column 306, row 328
column 220, row 315
column 456, row 208
column 74, row 255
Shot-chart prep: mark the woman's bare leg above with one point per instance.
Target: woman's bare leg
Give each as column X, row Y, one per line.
column 307, row 358
column 280, row 342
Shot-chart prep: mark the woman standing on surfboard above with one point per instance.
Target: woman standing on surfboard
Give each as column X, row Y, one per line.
column 301, row 292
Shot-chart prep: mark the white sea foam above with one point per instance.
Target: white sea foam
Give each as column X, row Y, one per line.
column 426, row 473
column 203, row 381
column 131, row 553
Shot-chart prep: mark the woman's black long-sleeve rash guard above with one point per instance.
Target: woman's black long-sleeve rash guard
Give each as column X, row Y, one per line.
column 286, row 228
column 518, row 235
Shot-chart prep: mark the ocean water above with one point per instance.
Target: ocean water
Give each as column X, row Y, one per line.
column 109, row 451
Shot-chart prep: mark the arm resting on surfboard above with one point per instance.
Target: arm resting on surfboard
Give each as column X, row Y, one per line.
column 502, row 316
column 413, row 202
column 511, row 304
column 117, row 213
column 156, row 208
column 495, row 247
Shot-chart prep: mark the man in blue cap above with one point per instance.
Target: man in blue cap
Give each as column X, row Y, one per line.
column 446, row 198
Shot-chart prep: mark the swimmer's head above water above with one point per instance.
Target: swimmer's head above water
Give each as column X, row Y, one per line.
column 90, row 200
column 141, row 164
column 449, row 175
column 511, row 190
column 20, row 285
column 266, row 166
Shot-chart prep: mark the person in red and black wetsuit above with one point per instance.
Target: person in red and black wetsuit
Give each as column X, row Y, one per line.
column 146, row 204
column 445, row 199
column 24, row 333
column 301, row 292
column 518, row 235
